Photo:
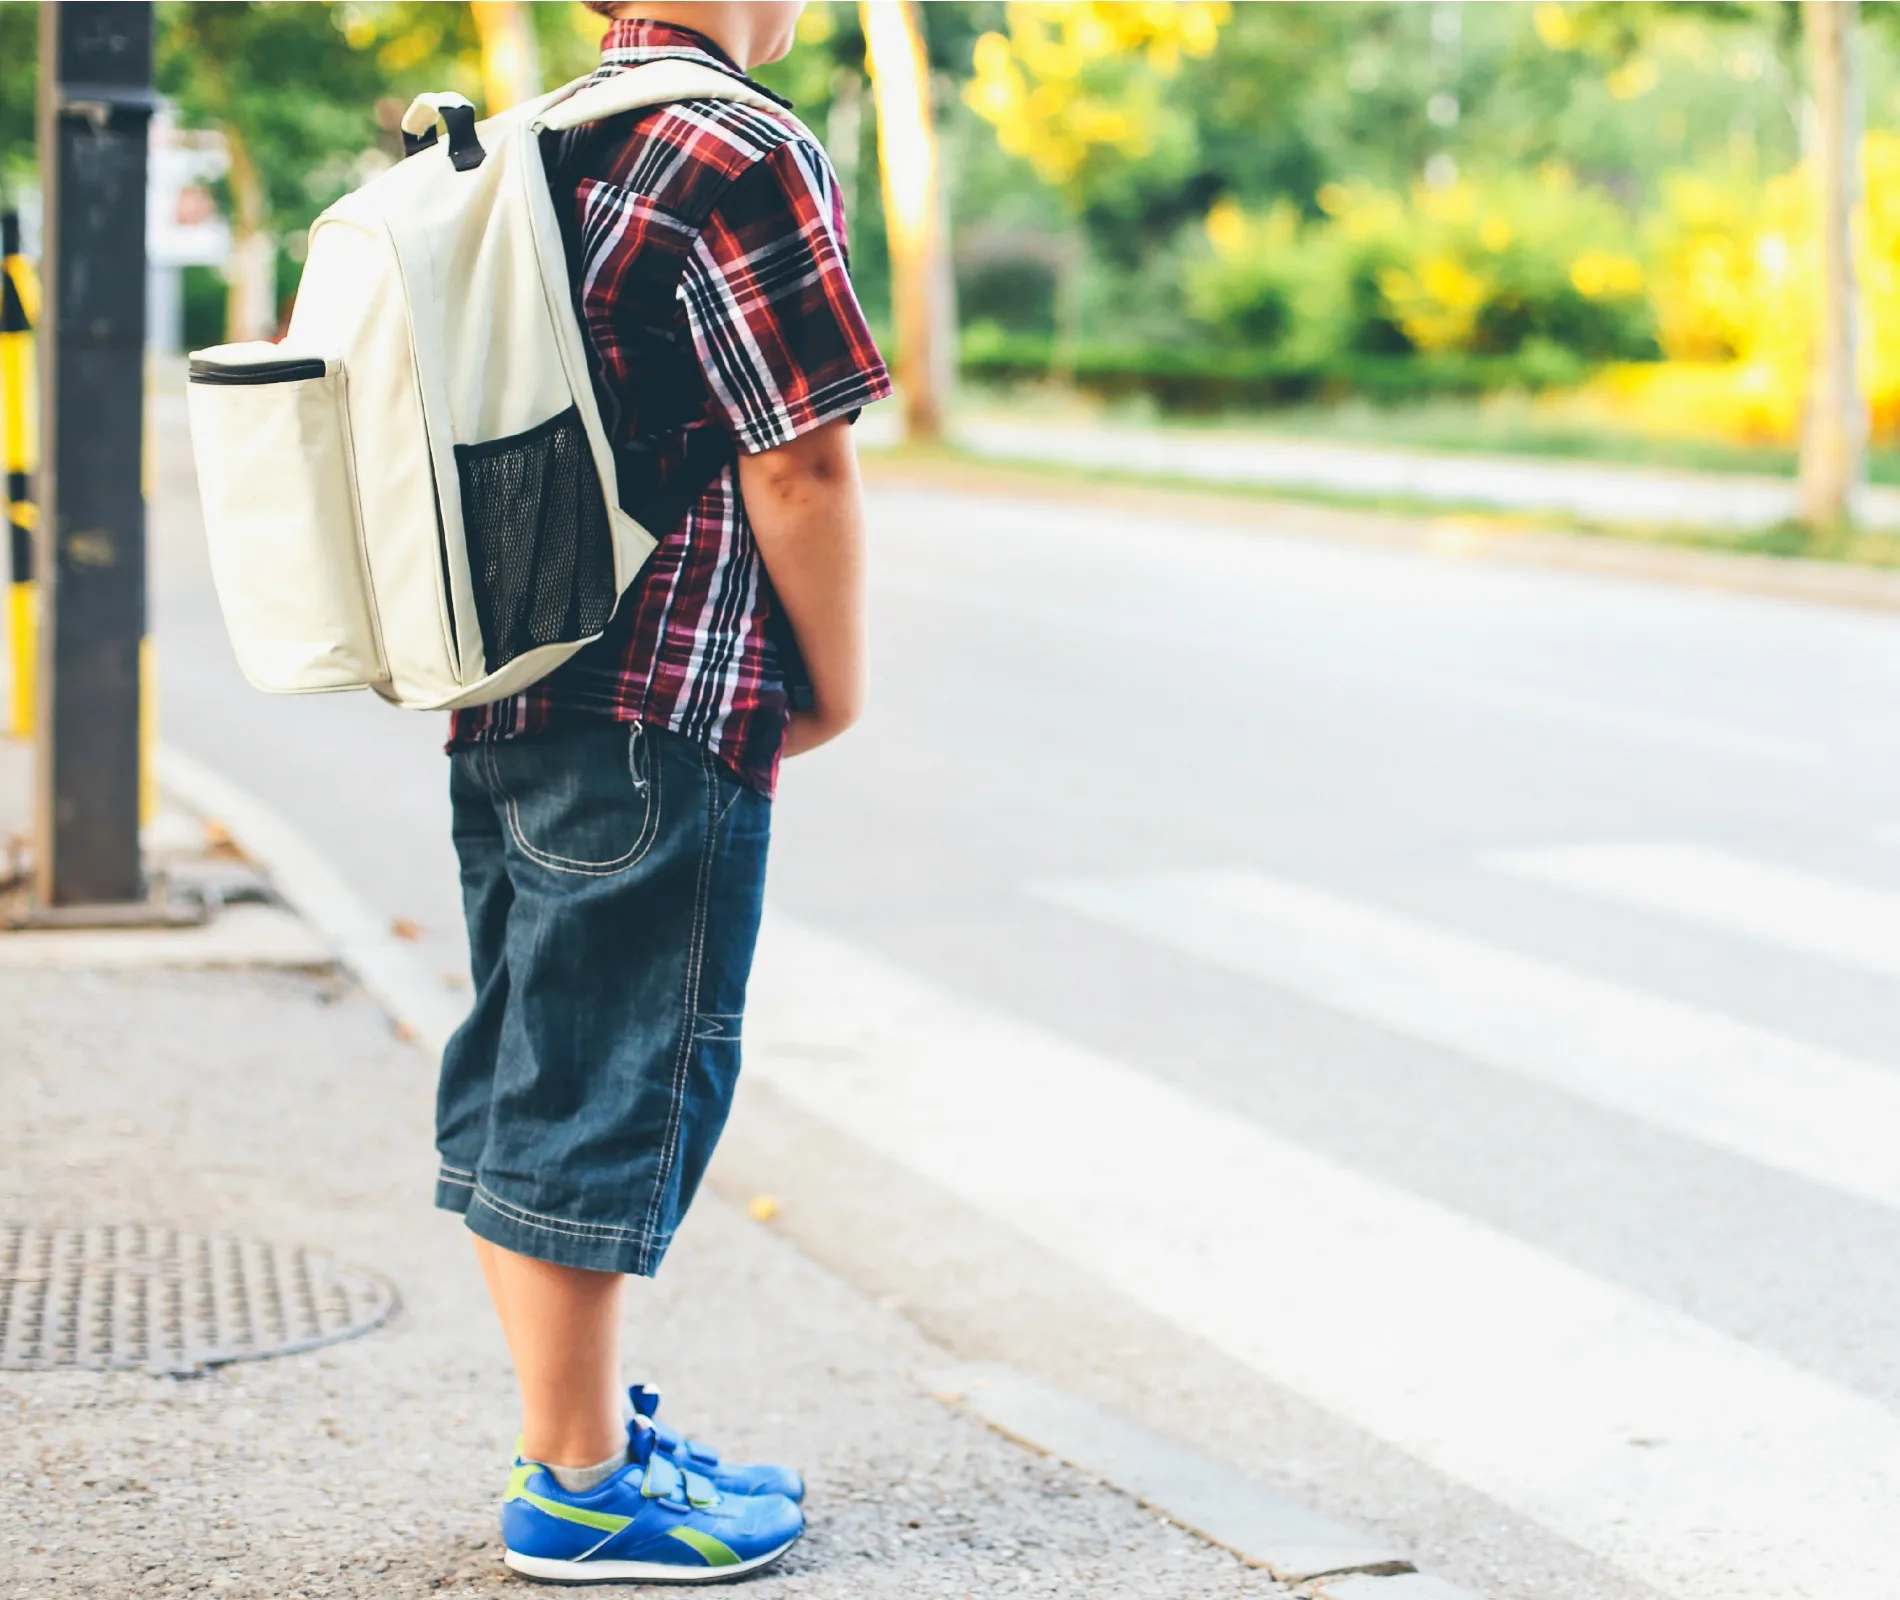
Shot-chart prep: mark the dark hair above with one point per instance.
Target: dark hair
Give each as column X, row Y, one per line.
column 605, row 7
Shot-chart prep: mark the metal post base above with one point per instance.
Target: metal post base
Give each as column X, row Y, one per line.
column 162, row 910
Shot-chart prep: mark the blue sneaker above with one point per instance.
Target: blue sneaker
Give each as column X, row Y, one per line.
column 691, row 1456
column 650, row 1522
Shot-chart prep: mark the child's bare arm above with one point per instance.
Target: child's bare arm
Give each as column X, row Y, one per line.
column 807, row 513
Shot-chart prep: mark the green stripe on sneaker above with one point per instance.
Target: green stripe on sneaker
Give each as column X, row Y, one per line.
column 716, row 1554
column 606, row 1521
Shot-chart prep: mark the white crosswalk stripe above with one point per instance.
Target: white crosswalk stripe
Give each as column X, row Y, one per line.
column 1841, row 922
column 1699, row 1465
column 1819, row 1114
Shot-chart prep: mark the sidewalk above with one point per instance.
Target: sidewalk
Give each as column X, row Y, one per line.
column 279, row 1103
column 1593, row 492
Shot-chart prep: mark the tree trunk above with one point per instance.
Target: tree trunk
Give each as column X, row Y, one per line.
column 511, row 60
column 913, row 213
column 1834, row 431
column 250, row 304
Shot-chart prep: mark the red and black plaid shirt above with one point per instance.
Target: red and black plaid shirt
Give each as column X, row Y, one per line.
column 708, row 244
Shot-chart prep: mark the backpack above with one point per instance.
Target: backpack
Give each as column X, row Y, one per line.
column 413, row 492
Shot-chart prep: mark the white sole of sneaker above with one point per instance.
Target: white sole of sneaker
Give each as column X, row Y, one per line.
column 545, row 1570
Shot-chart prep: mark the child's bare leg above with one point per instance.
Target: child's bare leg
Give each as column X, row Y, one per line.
column 563, row 1330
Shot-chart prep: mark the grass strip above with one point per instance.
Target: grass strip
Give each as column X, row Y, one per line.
column 970, row 470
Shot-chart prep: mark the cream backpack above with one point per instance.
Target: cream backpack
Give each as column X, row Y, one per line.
column 413, row 491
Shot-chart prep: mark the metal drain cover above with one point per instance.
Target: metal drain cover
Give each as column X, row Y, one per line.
column 135, row 1295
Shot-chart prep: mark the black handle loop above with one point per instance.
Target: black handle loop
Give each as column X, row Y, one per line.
column 465, row 150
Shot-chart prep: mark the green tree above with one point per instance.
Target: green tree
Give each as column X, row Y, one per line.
column 295, row 102
column 19, row 58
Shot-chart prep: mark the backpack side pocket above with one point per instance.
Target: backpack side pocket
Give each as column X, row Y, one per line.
column 277, row 475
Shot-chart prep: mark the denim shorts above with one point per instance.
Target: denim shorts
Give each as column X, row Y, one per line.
column 612, row 878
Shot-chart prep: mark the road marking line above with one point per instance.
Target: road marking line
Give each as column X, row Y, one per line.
column 1854, row 926
column 1822, row 1116
column 1695, row 1463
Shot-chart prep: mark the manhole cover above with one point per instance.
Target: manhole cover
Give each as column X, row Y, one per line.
column 140, row 1296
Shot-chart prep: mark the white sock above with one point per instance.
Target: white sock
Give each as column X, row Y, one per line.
column 578, row 1480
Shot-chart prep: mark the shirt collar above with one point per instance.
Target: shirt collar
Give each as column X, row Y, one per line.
column 634, row 41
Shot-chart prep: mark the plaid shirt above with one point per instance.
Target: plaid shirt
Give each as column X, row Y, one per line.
column 712, row 281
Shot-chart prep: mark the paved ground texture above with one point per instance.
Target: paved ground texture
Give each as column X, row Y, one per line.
column 1499, row 959
column 280, row 1105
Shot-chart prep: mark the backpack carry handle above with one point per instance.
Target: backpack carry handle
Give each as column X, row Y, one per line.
column 456, row 113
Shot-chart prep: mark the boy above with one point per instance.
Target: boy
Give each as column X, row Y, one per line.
column 612, row 821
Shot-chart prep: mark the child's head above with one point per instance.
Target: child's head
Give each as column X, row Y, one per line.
column 752, row 32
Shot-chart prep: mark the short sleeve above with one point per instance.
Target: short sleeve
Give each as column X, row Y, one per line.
column 777, row 325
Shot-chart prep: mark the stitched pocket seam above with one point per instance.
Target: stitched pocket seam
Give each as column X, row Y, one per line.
column 636, row 852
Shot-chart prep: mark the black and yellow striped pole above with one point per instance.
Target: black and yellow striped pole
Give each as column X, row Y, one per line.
column 19, row 309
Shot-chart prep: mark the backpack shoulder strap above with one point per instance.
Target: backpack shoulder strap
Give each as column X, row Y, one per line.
column 657, row 83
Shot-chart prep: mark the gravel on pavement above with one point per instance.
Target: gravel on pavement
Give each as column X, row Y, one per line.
column 282, row 1105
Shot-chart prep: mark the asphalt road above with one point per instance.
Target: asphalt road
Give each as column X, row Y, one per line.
column 1424, row 1031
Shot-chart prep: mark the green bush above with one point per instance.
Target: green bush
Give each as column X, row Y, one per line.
column 1206, row 378
column 1528, row 274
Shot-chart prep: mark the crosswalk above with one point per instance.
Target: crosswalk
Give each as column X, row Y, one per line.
column 1702, row 1466
column 1817, row 1114
column 1837, row 921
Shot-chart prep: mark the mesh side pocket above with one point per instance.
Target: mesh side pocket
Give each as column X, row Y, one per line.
column 539, row 551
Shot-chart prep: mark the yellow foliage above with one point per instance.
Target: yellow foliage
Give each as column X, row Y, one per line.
column 816, row 25
column 1037, row 85
column 1227, row 229
column 1505, row 248
column 1605, row 275
column 1733, row 280
column 1437, row 304
column 1633, row 79
column 1555, row 26
column 409, row 50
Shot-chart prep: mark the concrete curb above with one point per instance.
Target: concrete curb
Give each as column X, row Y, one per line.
column 237, row 936
column 1406, row 1586
column 360, row 941
column 1327, row 1559
column 1266, row 1529
column 1263, row 1528
column 1455, row 535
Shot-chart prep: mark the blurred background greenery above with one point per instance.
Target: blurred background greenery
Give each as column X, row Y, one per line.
column 1583, row 228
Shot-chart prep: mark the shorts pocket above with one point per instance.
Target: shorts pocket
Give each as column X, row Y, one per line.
column 590, row 809
column 270, row 432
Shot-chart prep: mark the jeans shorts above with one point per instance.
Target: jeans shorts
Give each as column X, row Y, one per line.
column 612, row 879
